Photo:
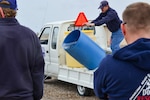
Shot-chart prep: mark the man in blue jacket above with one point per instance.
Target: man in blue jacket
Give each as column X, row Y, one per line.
column 21, row 61
column 109, row 17
column 126, row 74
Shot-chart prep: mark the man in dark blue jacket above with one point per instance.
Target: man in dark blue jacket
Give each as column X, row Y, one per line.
column 109, row 17
column 21, row 61
column 126, row 74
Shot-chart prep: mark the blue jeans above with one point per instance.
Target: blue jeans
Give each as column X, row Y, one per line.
column 116, row 38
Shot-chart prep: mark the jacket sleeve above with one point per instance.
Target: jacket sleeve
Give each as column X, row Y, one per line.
column 100, row 82
column 38, row 72
column 103, row 20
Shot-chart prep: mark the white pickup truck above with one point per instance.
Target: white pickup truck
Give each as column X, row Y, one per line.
column 61, row 65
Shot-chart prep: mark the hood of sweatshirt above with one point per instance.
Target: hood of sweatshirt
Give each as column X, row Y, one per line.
column 137, row 53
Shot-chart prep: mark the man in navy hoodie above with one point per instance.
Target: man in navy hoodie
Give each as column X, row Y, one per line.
column 126, row 74
column 21, row 61
column 109, row 17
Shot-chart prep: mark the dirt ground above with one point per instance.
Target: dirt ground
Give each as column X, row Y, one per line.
column 58, row 90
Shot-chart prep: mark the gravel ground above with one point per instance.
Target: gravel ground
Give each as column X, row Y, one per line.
column 58, row 90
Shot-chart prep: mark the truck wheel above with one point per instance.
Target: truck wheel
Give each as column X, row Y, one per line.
column 83, row 91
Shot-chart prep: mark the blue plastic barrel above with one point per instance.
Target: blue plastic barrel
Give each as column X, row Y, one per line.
column 83, row 49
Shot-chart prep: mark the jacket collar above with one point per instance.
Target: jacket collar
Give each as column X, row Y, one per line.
column 8, row 21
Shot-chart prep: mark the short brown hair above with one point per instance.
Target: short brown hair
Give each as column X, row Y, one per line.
column 137, row 15
column 7, row 11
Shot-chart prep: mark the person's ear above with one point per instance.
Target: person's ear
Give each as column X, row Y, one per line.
column 1, row 13
column 123, row 28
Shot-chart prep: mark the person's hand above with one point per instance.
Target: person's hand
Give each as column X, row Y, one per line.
column 88, row 24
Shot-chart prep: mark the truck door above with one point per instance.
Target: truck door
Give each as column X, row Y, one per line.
column 45, row 39
column 53, row 68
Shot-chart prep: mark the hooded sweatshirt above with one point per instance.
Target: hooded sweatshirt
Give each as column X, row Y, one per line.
column 21, row 62
column 126, row 74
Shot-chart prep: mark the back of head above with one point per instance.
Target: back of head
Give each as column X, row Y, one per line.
column 137, row 16
column 9, row 8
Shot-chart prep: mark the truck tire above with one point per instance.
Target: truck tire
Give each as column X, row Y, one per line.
column 83, row 91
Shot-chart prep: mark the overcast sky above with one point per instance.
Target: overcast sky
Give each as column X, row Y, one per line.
column 35, row 13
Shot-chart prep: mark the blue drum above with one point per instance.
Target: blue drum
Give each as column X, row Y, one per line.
column 83, row 49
